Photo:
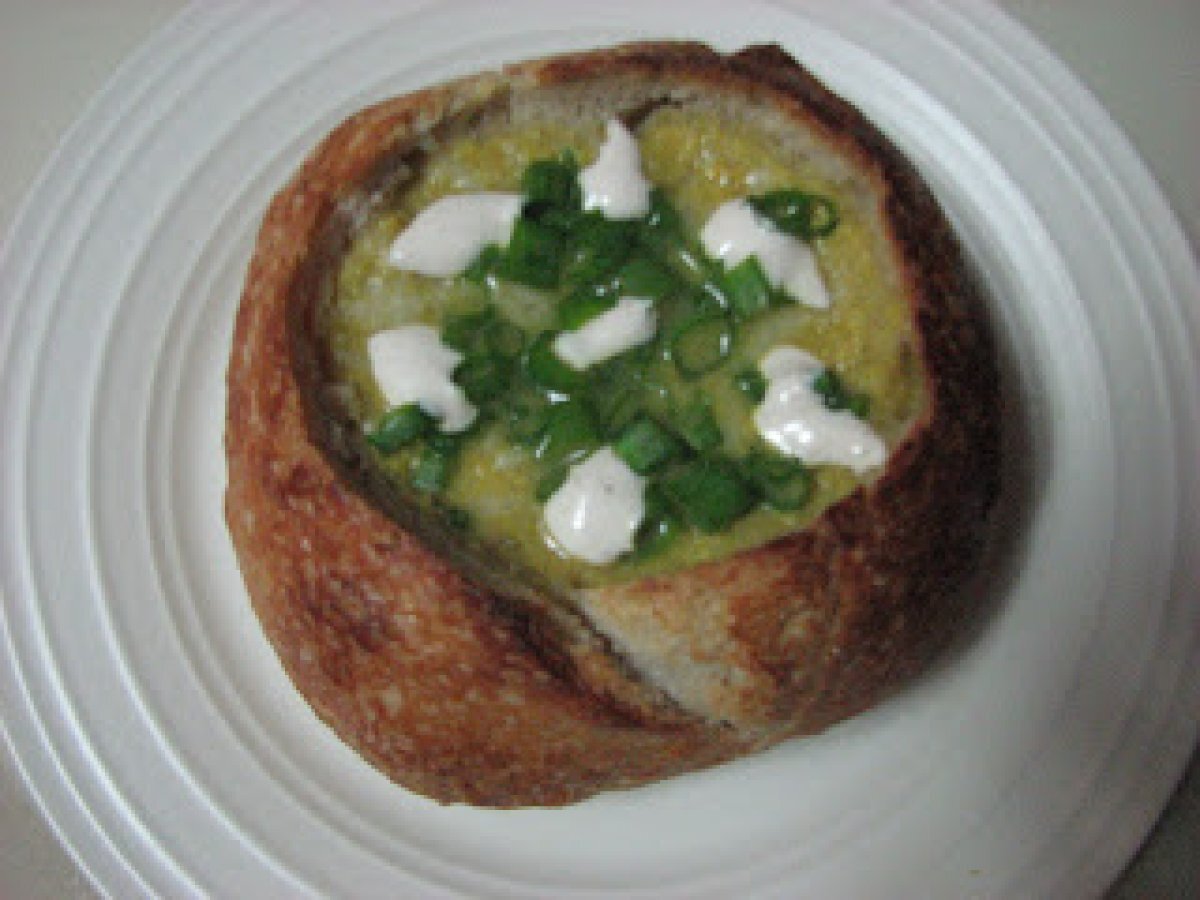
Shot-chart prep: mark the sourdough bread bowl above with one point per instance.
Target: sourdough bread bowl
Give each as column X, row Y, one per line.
column 468, row 664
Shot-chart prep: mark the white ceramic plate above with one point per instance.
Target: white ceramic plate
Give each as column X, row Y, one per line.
column 161, row 735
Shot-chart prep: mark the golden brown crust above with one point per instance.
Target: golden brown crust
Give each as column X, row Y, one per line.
column 506, row 697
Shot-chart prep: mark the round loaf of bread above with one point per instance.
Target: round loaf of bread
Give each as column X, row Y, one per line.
column 467, row 676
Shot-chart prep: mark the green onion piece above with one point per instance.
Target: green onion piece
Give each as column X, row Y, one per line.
column 697, row 425
column 643, row 277
column 660, row 525
column 547, row 370
column 486, row 264
column 569, row 434
column 646, row 446
column 581, row 307
column 784, row 483
column 549, row 482
column 663, row 218
column 701, row 345
column 468, row 333
column 829, row 387
column 598, row 247
column 614, row 394
column 553, row 182
column 505, row 339
column 662, row 231
column 747, row 288
column 684, row 308
column 399, row 426
column 709, row 494
column 534, row 254
column 752, row 383
column 433, row 466
column 806, row 216
column 663, row 238
column 483, row 377
column 526, row 418
column 558, row 219
column 837, row 397
column 656, row 534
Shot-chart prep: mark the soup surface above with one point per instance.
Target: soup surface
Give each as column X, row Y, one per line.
column 698, row 160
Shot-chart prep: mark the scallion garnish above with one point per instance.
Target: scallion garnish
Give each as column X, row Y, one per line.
column 709, row 494
column 798, row 213
column 702, row 344
column 747, row 288
column 646, row 446
column 399, row 426
column 837, row 397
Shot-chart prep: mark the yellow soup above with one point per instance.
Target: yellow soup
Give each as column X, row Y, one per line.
column 699, row 160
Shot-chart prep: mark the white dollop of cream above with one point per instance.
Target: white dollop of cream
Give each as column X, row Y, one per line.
column 596, row 513
column 735, row 231
column 412, row 365
column 614, row 183
column 793, row 418
column 630, row 323
column 448, row 235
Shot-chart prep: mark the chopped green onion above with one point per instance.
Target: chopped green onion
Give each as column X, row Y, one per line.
column 486, row 264
column 701, row 345
column 656, row 534
column 549, row 482
column 534, row 254
column 663, row 218
column 558, row 219
column 698, row 427
column 526, row 418
column 660, row 525
column 806, row 216
column 505, row 339
column 837, row 397
column 747, row 288
column 483, row 377
column 569, row 433
column 598, row 247
column 784, row 483
column 645, row 446
column 553, row 182
column 547, row 370
column 581, row 307
column 642, row 277
column 615, row 399
column 399, row 426
column 467, row 333
column 709, row 494
column 752, row 383
column 433, row 466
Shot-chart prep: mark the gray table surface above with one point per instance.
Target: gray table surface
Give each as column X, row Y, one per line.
column 1141, row 58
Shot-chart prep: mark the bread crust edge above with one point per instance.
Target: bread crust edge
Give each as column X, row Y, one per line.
column 429, row 676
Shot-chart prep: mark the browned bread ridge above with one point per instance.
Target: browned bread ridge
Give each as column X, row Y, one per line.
column 469, row 683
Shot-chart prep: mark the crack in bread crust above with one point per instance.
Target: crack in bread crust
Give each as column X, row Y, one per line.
column 468, row 683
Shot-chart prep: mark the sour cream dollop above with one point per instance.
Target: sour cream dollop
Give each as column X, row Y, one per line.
column 735, row 231
column 596, row 513
column 614, row 183
column 412, row 365
column 630, row 323
column 448, row 235
column 793, row 418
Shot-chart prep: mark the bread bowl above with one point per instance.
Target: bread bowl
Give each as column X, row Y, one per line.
column 493, row 668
